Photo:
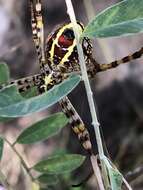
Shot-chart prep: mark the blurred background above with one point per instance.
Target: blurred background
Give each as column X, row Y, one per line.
column 118, row 93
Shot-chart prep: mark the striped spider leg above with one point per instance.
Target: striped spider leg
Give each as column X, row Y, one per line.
column 53, row 74
column 25, row 83
column 38, row 32
column 95, row 68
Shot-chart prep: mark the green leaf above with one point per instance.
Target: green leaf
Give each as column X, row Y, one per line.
column 76, row 188
column 4, row 78
column 9, row 95
column 30, row 93
column 116, row 178
column 122, row 19
column 1, row 146
column 43, row 129
column 59, row 151
column 60, row 164
column 4, row 73
column 38, row 103
column 48, row 179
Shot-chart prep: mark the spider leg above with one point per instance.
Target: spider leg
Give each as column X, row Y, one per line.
column 35, row 31
column 26, row 83
column 77, row 124
column 103, row 67
column 38, row 33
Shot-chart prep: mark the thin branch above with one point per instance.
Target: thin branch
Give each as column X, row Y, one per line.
column 21, row 159
column 97, row 171
column 127, row 184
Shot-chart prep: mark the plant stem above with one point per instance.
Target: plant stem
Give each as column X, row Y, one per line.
column 97, row 172
column 95, row 122
column 127, row 184
column 21, row 159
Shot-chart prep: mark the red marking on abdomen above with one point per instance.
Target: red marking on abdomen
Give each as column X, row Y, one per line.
column 64, row 42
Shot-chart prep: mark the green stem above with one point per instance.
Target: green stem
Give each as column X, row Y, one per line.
column 21, row 159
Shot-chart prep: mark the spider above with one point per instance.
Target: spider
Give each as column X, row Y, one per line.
column 58, row 57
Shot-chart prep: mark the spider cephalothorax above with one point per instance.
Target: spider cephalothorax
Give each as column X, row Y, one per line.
column 61, row 50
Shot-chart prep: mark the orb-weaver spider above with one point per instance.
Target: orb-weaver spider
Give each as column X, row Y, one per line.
column 58, row 57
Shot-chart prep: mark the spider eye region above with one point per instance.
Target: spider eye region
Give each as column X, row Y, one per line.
column 69, row 34
column 66, row 39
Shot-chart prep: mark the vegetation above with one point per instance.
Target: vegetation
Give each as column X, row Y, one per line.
column 124, row 18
